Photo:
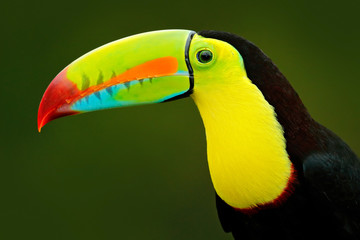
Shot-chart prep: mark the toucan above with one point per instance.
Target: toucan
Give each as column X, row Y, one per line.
column 277, row 173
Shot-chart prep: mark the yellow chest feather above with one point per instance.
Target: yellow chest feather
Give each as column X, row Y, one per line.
column 248, row 162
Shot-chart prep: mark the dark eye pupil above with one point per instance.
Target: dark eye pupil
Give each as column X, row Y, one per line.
column 204, row 56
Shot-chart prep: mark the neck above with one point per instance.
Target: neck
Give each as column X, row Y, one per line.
column 278, row 93
column 247, row 156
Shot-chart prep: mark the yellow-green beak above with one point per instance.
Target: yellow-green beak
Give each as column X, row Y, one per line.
column 146, row 68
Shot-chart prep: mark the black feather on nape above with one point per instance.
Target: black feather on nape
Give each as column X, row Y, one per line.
column 259, row 67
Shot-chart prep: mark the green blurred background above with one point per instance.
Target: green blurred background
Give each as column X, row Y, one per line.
column 141, row 172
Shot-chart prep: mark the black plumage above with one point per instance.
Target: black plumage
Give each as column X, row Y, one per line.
column 325, row 203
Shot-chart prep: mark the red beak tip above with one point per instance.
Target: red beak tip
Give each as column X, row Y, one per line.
column 40, row 124
column 42, row 119
column 39, row 128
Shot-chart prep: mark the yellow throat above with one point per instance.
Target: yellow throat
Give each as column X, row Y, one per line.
column 246, row 148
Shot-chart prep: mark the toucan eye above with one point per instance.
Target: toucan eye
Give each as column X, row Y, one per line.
column 204, row 56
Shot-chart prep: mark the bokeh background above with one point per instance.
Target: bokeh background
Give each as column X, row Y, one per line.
column 141, row 172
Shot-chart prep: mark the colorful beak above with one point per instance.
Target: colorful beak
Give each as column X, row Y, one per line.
column 146, row 68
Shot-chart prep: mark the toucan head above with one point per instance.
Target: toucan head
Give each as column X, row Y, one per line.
column 146, row 68
column 238, row 113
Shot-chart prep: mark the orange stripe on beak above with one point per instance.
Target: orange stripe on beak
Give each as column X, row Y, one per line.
column 159, row 67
